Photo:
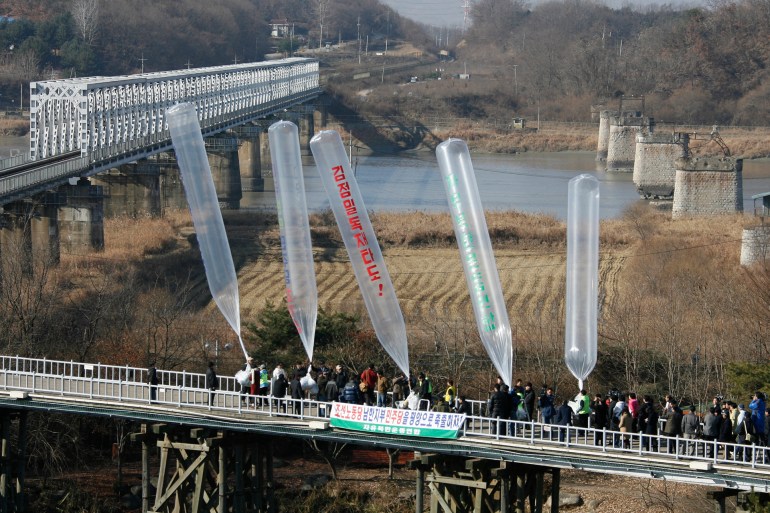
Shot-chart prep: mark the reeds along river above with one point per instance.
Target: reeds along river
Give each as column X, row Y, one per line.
column 528, row 182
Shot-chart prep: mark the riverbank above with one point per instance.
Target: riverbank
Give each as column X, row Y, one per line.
column 549, row 136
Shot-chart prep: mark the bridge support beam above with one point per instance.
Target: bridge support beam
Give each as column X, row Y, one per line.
column 81, row 220
column 250, row 158
column 207, row 471
column 223, row 159
column 12, row 497
column 470, row 485
column 131, row 190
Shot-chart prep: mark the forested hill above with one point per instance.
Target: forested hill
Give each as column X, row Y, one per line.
column 699, row 65
column 554, row 58
column 88, row 37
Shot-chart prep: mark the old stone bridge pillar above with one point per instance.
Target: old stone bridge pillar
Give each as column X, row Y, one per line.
column 655, row 163
column 621, row 146
column 222, row 151
column 708, row 186
column 81, row 219
column 250, row 158
column 131, row 190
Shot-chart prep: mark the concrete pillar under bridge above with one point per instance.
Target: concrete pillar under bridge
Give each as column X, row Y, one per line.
column 604, row 134
column 708, row 186
column 472, row 485
column 249, row 157
column 655, row 163
column 206, row 470
column 131, row 190
column 30, row 231
column 222, row 153
column 304, row 117
column 621, row 146
column 81, row 220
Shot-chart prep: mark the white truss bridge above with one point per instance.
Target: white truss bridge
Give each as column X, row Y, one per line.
column 82, row 126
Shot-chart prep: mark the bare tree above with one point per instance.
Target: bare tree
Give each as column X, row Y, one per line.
column 321, row 8
column 86, row 16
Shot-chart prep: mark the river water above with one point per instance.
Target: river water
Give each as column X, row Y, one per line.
column 528, row 182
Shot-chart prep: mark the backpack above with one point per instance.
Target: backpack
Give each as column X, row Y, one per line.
column 748, row 426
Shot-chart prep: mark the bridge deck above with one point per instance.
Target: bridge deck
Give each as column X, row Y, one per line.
column 65, row 388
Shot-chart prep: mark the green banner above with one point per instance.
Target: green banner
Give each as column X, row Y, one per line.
column 393, row 421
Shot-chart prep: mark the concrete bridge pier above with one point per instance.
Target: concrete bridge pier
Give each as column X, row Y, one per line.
column 223, row 159
column 304, row 117
column 306, row 127
column 131, row 190
column 655, row 163
column 621, row 145
column 604, row 134
column 250, row 158
column 12, row 461
column 708, row 186
column 46, row 241
column 471, row 485
column 81, row 219
column 203, row 470
column 16, row 240
column 755, row 245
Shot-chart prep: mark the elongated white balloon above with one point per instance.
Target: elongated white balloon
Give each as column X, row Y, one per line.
column 476, row 254
column 361, row 243
column 204, row 209
column 582, row 276
column 299, row 270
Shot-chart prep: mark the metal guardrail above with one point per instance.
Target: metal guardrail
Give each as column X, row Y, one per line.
column 129, row 385
column 15, row 160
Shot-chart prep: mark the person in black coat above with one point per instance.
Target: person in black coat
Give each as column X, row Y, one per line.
column 279, row 391
column 673, row 427
column 212, row 382
column 499, row 405
column 340, row 377
column 726, row 432
column 152, row 379
column 648, row 424
column 295, row 386
column 529, row 401
column 601, row 419
column 563, row 418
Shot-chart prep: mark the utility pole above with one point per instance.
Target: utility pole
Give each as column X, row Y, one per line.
column 142, row 60
column 515, row 80
column 358, row 27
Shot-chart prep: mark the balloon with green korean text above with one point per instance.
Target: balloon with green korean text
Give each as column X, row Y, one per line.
column 476, row 254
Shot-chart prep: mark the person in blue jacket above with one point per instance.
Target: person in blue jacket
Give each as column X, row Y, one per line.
column 757, row 407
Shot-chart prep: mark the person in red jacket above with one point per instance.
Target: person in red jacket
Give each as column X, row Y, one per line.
column 369, row 376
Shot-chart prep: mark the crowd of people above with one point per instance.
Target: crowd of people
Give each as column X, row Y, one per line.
column 338, row 384
column 724, row 422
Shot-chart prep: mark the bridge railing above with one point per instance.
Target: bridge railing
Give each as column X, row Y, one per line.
column 186, row 391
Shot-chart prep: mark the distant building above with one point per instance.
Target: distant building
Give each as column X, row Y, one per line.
column 281, row 28
column 519, row 123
